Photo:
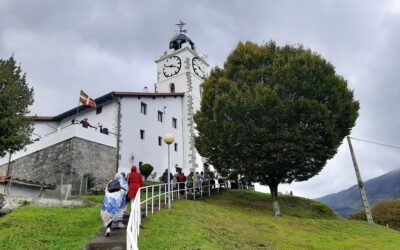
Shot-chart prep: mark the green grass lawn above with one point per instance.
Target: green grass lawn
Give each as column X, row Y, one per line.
column 33, row 227
column 243, row 220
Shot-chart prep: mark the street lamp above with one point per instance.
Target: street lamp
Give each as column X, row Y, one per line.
column 169, row 138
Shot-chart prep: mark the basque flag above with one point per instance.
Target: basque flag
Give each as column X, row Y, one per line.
column 86, row 100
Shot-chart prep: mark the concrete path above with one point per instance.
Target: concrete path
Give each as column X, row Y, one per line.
column 116, row 241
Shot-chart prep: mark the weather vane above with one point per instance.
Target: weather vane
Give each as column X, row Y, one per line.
column 180, row 25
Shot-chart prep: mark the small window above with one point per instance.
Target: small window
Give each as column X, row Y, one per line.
column 99, row 110
column 143, row 108
column 140, row 163
column 142, row 134
column 172, row 88
column 160, row 116
column 174, row 121
column 176, row 147
column 159, row 141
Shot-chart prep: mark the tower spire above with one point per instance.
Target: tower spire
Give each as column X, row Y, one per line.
column 180, row 38
column 180, row 25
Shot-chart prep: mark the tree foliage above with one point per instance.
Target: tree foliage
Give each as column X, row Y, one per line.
column 274, row 114
column 146, row 170
column 15, row 97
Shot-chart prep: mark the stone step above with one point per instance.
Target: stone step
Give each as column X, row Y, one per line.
column 116, row 241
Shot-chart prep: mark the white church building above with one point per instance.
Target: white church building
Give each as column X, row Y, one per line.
column 130, row 126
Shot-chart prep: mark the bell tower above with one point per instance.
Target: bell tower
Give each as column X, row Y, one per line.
column 182, row 69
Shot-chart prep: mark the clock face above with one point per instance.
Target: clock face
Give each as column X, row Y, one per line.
column 172, row 66
column 198, row 67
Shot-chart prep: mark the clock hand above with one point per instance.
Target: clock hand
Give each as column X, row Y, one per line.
column 170, row 66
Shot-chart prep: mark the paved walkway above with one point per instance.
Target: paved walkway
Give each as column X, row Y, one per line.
column 117, row 240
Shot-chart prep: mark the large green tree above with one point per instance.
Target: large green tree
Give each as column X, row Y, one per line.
column 15, row 97
column 274, row 114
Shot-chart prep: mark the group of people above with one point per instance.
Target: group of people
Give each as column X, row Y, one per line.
column 122, row 189
column 118, row 192
column 194, row 180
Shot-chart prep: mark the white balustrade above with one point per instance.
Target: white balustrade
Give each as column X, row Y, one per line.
column 133, row 228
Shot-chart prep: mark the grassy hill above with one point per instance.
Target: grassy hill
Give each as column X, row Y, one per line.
column 243, row 220
column 232, row 220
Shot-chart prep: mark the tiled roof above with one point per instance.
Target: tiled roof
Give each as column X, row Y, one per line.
column 40, row 118
column 6, row 179
column 147, row 94
column 101, row 100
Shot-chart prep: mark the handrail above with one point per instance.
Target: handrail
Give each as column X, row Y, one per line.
column 201, row 187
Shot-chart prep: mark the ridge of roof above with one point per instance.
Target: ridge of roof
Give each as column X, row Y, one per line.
column 39, row 118
column 101, row 100
column 147, row 94
column 6, row 179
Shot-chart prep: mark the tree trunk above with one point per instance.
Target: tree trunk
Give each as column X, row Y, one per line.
column 275, row 202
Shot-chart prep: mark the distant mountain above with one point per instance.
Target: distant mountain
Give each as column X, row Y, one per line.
column 345, row 202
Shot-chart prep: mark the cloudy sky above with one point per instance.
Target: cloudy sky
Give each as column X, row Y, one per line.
column 101, row 46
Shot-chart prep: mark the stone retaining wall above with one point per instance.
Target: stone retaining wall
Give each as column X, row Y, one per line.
column 66, row 163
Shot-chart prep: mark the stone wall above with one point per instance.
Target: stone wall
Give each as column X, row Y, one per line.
column 66, row 163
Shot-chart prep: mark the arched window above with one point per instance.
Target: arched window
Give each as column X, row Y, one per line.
column 172, row 87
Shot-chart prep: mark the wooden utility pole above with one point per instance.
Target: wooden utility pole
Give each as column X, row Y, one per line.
column 8, row 174
column 360, row 184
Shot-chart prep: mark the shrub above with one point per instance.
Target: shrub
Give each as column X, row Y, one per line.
column 385, row 213
column 359, row 215
column 146, row 170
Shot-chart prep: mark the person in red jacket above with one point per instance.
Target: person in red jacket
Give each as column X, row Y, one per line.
column 135, row 182
column 181, row 180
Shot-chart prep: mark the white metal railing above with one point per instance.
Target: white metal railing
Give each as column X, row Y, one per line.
column 156, row 196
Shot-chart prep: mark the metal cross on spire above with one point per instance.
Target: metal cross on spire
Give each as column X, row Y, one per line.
column 180, row 25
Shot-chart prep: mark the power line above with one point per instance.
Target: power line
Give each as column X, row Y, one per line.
column 376, row 143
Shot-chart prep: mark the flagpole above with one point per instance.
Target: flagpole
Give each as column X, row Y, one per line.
column 77, row 109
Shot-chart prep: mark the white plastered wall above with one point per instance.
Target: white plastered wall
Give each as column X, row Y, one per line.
column 147, row 150
column 107, row 118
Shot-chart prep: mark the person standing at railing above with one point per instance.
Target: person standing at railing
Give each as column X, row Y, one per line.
column 165, row 176
column 135, row 181
column 181, row 180
column 190, row 180
column 86, row 124
column 211, row 176
column 202, row 179
column 175, row 183
column 197, row 182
